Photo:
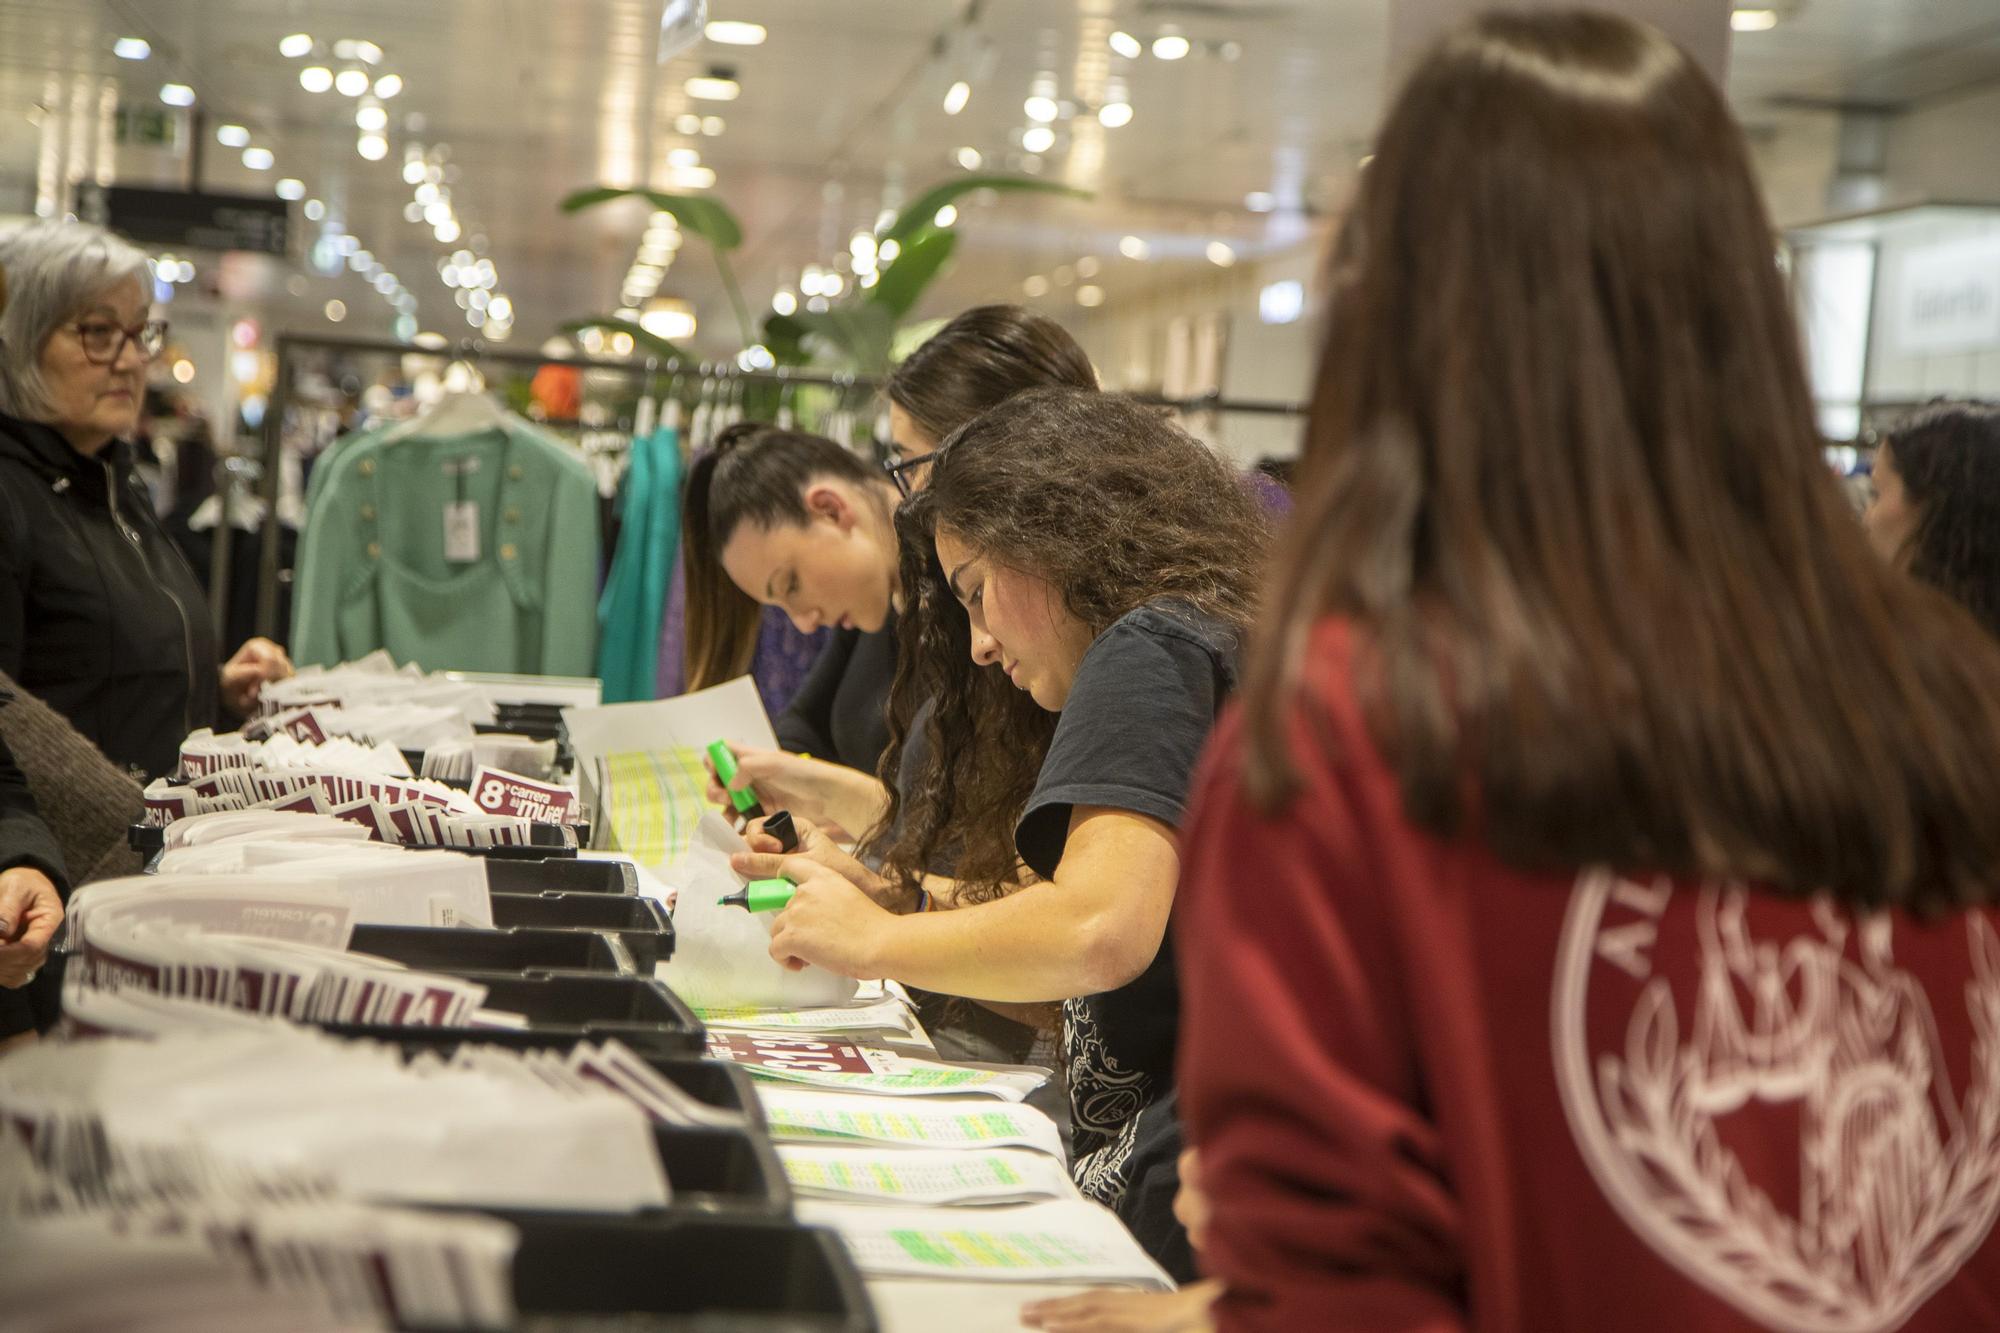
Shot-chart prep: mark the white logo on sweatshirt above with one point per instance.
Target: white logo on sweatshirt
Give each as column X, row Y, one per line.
column 1899, row 1179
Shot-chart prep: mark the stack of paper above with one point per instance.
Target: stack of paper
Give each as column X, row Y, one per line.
column 883, row 1017
column 929, row 1177
column 798, row 1116
column 374, row 680
column 824, row 1060
column 1067, row 1241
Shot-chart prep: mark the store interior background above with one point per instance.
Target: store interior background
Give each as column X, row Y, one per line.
column 1194, row 266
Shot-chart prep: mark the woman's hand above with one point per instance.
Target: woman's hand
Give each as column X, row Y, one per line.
column 1117, row 1311
column 1190, row 1203
column 30, row 911
column 244, row 676
column 822, row 792
column 829, row 922
column 766, row 854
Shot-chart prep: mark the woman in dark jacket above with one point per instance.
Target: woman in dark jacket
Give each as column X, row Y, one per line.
column 100, row 616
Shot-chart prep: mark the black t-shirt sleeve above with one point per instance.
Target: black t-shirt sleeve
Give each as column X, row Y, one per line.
column 806, row 725
column 1136, row 718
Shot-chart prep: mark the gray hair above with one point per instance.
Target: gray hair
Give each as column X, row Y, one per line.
column 54, row 271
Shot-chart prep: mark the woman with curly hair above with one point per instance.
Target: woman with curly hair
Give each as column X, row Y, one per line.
column 1077, row 576
column 1936, row 508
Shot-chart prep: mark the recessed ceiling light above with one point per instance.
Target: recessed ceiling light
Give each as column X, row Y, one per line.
column 351, row 82
column 1038, row 139
column 315, row 210
column 296, row 45
column 729, row 32
column 1040, row 109
column 389, row 85
column 945, row 216
column 956, row 96
column 1036, row 285
column 711, row 125
column 336, row 310
column 368, row 52
column 687, row 123
column 970, row 158
column 1089, row 296
column 1134, row 247
column 683, row 157
column 372, row 146
column 1125, row 44
column 1259, row 201
column 177, row 94
column 1114, row 115
column 1220, row 254
column 1170, row 46
column 371, row 118
column 315, row 78
column 713, row 88
column 1753, row 20
column 291, row 188
column 232, row 136
column 1087, row 266
column 131, row 48
column 258, row 159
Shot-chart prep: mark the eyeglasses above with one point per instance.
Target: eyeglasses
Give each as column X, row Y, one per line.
column 103, row 342
column 899, row 471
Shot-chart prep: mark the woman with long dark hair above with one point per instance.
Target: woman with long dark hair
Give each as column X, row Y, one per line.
column 1589, row 919
column 1936, row 505
column 1076, row 577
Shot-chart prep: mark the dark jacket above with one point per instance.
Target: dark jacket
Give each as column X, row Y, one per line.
column 100, row 615
column 841, row 712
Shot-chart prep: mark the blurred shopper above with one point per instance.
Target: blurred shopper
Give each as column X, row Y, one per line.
column 100, row 615
column 1936, row 506
column 1588, row 919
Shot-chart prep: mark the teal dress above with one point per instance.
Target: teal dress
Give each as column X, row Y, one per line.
column 635, row 593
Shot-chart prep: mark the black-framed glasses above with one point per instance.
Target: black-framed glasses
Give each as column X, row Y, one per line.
column 899, row 471
column 104, row 342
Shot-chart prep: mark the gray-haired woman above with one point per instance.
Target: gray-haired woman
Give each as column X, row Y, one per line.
column 100, row 616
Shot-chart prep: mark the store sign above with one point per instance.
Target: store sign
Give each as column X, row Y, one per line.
column 1947, row 298
column 189, row 219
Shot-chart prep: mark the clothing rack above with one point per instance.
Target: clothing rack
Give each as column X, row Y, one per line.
column 477, row 351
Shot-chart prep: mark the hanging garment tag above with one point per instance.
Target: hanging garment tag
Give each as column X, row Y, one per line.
column 461, row 531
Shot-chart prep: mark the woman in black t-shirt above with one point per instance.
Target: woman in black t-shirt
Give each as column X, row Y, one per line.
column 1076, row 579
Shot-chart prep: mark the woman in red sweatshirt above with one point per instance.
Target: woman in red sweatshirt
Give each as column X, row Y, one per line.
column 1588, row 917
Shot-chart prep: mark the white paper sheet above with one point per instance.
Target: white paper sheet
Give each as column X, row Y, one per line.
column 1038, row 1242
column 799, row 1116
column 933, row 1178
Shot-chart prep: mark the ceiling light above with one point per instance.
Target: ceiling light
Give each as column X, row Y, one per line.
column 336, row 310
column 413, row 212
column 691, row 178
column 1063, row 275
column 1133, row 247
column 1041, row 109
column 687, row 123
column 437, row 212
column 131, row 48
column 683, row 157
column 667, row 317
column 500, row 308
column 476, row 300
column 784, row 302
column 351, row 82
column 425, row 195
column 347, row 245
column 970, row 158
column 315, row 78
column 1220, row 255
column 1753, row 20
column 1282, row 302
column 258, row 159
column 1089, row 296
column 712, row 88
column 184, row 371
column 888, row 250
column 446, row 231
column 1259, row 201
column 315, row 210
column 1170, row 46
column 296, row 45
column 291, row 187
column 732, row 33
column 1038, row 139
column 861, row 246
column 177, row 94
column 1125, row 44
column 389, row 85
column 819, row 305
column 360, row 260
column 1036, row 285
column 385, row 283
column 1114, row 115
column 372, row 146
column 232, row 136
column 371, row 117
column 1087, row 266
column 945, row 216
column 368, row 52
column 711, row 125
column 449, row 272
column 956, row 96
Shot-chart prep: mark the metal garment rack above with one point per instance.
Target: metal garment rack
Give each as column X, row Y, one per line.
column 479, row 352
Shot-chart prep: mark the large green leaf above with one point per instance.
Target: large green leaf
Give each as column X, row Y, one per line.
column 704, row 217
column 919, row 215
column 913, row 269
column 784, row 339
column 860, row 332
column 645, row 338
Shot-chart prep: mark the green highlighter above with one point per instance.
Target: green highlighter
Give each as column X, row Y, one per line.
column 761, row 895
column 745, row 799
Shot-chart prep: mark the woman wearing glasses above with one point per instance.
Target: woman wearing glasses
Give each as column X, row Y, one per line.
column 983, row 357
column 100, row 616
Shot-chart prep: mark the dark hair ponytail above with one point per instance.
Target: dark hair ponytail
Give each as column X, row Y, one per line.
column 755, row 474
column 982, row 358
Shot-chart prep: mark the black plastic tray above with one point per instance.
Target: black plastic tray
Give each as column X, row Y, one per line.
column 638, row 1011
column 539, row 872
column 146, row 840
column 718, row 1083
column 675, row 1273
column 642, row 923
column 524, row 949
column 723, row 1171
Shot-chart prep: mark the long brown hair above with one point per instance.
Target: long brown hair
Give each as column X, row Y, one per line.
column 984, row 356
column 1114, row 507
column 1562, row 474
column 754, row 474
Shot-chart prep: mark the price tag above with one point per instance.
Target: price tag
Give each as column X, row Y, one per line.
column 499, row 793
column 461, row 531
column 805, row 1054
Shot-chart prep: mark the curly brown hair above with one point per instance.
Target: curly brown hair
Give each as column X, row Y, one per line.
column 1114, row 507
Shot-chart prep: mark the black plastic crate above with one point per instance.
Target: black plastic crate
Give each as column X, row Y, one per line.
column 717, row 1083
column 456, row 948
column 723, row 1171
column 642, row 923
column 674, row 1273
column 536, row 872
column 638, row 1011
